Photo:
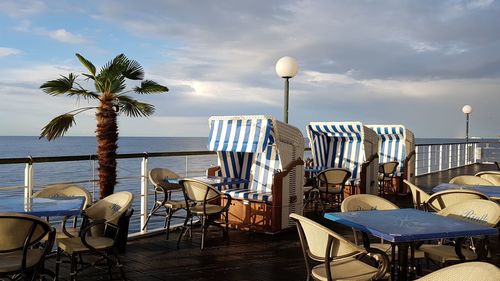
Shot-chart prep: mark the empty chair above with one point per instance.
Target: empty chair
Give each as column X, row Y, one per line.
column 99, row 220
column 445, row 198
column 204, row 202
column 331, row 184
column 163, row 190
column 419, row 196
column 491, row 176
column 387, row 172
column 63, row 191
column 344, row 258
column 475, row 210
column 470, row 180
column 467, row 271
column 21, row 252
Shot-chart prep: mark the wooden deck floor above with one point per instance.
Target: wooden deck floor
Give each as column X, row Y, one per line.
column 248, row 256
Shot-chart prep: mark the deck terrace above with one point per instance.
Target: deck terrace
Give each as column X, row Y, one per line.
column 247, row 256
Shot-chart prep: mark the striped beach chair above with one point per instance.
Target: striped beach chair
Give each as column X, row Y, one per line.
column 347, row 145
column 397, row 143
column 267, row 153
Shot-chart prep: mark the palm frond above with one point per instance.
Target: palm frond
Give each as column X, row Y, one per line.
column 134, row 108
column 86, row 63
column 59, row 86
column 150, row 87
column 82, row 93
column 58, row 126
column 134, row 70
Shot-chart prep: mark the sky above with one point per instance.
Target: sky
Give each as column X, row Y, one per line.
column 415, row 63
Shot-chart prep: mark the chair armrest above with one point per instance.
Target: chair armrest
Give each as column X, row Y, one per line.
column 383, row 262
column 213, row 170
column 63, row 224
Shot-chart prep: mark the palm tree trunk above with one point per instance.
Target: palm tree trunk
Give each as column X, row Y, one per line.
column 107, row 137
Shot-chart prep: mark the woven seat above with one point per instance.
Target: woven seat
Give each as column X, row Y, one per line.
column 99, row 220
column 163, row 190
column 491, row 176
column 419, row 196
column 445, row 198
column 203, row 201
column 21, row 252
column 470, row 180
column 467, row 271
column 344, row 258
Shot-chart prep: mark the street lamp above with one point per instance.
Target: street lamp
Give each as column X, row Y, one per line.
column 286, row 67
column 467, row 109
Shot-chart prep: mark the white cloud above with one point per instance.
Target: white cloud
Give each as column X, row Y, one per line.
column 19, row 8
column 64, row 36
column 8, row 51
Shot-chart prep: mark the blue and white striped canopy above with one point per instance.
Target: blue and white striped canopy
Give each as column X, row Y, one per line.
column 392, row 143
column 337, row 145
column 240, row 135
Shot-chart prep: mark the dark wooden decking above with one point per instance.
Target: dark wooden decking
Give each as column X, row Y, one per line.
column 247, row 256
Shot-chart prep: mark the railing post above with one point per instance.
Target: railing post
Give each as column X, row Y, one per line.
column 429, row 157
column 28, row 179
column 144, row 190
column 474, row 152
column 440, row 157
column 449, row 156
column 417, row 150
column 458, row 155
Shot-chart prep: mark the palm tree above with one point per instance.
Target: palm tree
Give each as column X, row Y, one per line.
column 112, row 101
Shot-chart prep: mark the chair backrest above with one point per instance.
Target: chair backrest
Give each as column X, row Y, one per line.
column 445, row 198
column 64, row 190
column 419, row 196
column 388, row 168
column 471, row 180
column 333, row 176
column 17, row 229
column 366, row 202
column 314, row 239
column 197, row 191
column 491, row 176
column 466, row 271
column 158, row 177
column 111, row 207
column 475, row 210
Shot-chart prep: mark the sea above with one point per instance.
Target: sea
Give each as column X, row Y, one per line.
column 12, row 175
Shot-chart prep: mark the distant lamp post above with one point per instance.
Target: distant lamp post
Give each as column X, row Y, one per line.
column 286, row 67
column 467, row 109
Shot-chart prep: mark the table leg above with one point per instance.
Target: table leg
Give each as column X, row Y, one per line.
column 402, row 273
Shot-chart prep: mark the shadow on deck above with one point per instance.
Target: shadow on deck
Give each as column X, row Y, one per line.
column 248, row 256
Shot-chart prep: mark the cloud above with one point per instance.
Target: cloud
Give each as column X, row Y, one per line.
column 4, row 52
column 21, row 8
column 64, row 36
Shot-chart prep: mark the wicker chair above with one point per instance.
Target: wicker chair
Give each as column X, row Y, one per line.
column 483, row 212
column 163, row 196
column 331, row 184
column 203, row 201
column 445, row 198
column 21, row 252
column 98, row 220
column 419, row 196
column 467, row 271
column 387, row 172
column 335, row 257
column 491, row 176
column 63, row 191
column 470, row 180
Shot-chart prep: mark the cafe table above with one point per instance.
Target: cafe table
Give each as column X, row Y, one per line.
column 43, row 207
column 492, row 191
column 403, row 227
column 218, row 182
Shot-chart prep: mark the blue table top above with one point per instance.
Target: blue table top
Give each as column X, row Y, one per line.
column 43, row 207
column 491, row 191
column 406, row 225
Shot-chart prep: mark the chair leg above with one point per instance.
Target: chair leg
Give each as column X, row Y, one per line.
column 203, row 222
column 169, row 217
column 58, row 262
column 72, row 273
column 183, row 230
column 153, row 210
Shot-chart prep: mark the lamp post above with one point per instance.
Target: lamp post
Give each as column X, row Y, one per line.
column 467, row 109
column 286, row 67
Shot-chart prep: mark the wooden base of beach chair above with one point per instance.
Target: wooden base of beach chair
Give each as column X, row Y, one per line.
column 254, row 216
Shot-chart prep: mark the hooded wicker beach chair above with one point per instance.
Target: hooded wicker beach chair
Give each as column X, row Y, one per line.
column 22, row 252
column 440, row 200
column 348, row 145
column 478, row 211
column 98, row 220
column 491, row 176
column 470, row 180
column 467, row 271
column 267, row 153
column 419, row 196
column 203, row 201
column 329, row 256
column 397, row 143
column 163, row 190
column 65, row 191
